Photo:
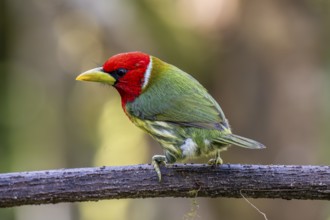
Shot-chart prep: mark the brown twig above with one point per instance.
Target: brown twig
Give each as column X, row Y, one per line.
column 141, row 181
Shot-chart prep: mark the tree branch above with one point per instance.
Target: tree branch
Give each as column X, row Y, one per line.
column 140, row 181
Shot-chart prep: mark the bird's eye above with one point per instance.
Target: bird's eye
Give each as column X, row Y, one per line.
column 120, row 72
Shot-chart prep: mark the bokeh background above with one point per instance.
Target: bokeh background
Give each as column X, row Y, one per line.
column 266, row 62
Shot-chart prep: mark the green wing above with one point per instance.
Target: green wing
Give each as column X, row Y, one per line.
column 174, row 96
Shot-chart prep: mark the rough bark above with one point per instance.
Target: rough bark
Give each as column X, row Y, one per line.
column 181, row 180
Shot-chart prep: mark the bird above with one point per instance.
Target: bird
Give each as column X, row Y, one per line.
column 171, row 106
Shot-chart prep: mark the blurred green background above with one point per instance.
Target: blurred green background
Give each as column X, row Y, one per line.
column 266, row 62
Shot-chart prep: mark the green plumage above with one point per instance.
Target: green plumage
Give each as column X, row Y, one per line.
column 177, row 111
column 173, row 95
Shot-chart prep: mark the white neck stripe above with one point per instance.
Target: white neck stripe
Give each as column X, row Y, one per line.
column 147, row 74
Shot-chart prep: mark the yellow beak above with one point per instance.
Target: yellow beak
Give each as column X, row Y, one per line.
column 96, row 75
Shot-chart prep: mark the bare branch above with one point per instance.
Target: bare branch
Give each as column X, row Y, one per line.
column 140, row 181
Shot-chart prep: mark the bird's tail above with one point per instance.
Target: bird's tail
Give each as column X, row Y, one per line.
column 239, row 141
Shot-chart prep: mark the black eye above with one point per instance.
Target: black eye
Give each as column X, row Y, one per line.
column 120, row 72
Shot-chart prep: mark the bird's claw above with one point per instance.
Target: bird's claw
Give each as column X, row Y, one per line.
column 156, row 161
column 216, row 161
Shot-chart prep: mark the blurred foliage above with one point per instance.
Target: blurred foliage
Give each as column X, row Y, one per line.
column 266, row 62
column 112, row 150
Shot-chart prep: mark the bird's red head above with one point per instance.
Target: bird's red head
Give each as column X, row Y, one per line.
column 129, row 70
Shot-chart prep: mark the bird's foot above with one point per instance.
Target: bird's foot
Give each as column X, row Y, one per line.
column 215, row 161
column 156, row 161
